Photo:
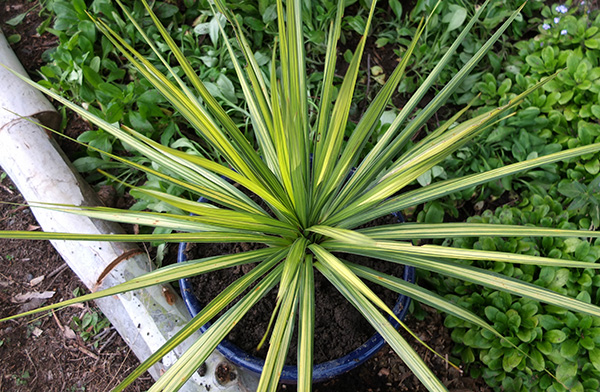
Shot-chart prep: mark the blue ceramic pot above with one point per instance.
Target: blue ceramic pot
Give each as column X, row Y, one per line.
column 322, row 371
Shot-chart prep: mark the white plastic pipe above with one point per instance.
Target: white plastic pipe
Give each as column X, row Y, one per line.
column 35, row 163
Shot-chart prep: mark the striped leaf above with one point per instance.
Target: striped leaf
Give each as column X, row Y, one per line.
column 474, row 275
column 343, row 235
column 443, row 188
column 167, row 274
column 190, row 361
column 306, row 325
column 410, row 231
column 409, row 249
column 383, row 326
column 206, row 314
column 281, row 337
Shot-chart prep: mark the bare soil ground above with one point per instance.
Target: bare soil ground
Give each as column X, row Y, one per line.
column 47, row 352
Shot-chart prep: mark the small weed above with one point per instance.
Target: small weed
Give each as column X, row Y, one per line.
column 21, row 379
column 90, row 326
column 32, row 326
column 585, row 199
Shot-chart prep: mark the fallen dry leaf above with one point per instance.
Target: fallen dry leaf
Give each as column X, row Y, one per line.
column 36, row 332
column 30, row 305
column 36, row 281
column 68, row 333
column 22, row 298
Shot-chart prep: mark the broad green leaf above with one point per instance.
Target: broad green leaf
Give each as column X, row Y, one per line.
column 511, row 360
column 396, row 7
column 555, row 336
column 455, row 17
column 569, row 349
column 565, row 371
column 14, row 21
column 595, row 358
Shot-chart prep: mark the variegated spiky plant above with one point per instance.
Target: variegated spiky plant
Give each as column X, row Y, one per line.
column 300, row 171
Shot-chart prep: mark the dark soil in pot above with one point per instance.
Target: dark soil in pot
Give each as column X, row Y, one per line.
column 386, row 372
column 339, row 327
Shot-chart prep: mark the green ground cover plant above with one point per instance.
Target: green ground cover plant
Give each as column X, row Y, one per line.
column 300, row 170
column 564, row 113
column 566, row 41
column 449, row 17
column 90, row 325
column 585, row 200
column 556, row 117
column 564, row 342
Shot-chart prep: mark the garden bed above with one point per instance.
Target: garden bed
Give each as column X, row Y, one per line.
column 543, row 124
column 107, row 360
